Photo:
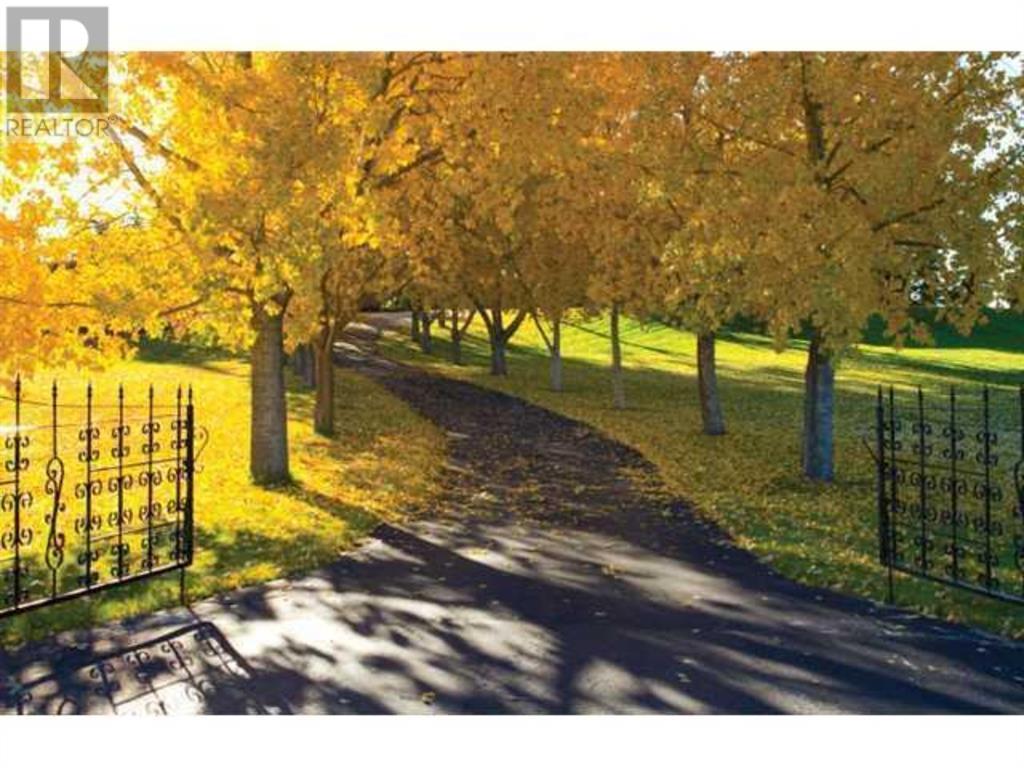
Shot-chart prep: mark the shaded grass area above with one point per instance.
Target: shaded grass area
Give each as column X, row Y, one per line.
column 383, row 460
column 749, row 480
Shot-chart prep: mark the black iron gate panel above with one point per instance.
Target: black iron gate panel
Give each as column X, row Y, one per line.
column 92, row 494
column 950, row 489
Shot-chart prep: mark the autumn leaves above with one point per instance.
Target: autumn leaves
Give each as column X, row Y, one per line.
column 807, row 192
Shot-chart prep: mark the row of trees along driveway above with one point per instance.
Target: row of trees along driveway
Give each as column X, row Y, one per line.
column 266, row 196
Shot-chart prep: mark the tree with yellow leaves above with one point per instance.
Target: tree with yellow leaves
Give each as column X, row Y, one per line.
column 515, row 126
column 224, row 147
column 863, row 184
column 380, row 109
column 684, row 193
column 34, row 322
column 684, row 188
column 810, row 191
column 605, row 211
column 260, row 163
column 72, row 290
column 553, row 270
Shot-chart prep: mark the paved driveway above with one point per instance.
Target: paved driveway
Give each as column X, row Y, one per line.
column 552, row 575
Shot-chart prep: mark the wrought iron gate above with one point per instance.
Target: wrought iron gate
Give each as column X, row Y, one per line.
column 951, row 490
column 93, row 495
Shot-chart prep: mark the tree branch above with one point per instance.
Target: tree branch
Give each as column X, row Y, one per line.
column 423, row 158
column 510, row 331
column 543, row 334
column 901, row 217
column 143, row 182
column 166, row 152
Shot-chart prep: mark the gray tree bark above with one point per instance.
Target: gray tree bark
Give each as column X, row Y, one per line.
column 302, row 364
column 323, row 409
column 496, row 333
column 499, row 335
column 456, row 336
column 707, row 378
column 268, row 446
column 414, row 326
column 618, row 385
column 819, row 376
column 819, row 411
column 308, row 366
column 426, row 340
column 556, row 355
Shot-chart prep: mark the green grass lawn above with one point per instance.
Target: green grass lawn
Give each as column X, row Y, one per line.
column 383, row 460
column 749, row 480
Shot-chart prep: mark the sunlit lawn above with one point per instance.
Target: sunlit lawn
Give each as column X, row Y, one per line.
column 383, row 459
column 749, row 480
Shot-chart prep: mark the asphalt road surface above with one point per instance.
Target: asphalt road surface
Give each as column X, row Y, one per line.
column 552, row 574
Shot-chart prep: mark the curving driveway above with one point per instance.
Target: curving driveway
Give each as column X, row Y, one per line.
column 553, row 574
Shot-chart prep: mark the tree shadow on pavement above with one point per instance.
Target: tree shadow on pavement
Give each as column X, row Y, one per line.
column 545, row 579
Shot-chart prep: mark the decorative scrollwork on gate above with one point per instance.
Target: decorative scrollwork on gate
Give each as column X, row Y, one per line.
column 943, row 509
column 55, row 537
column 119, row 509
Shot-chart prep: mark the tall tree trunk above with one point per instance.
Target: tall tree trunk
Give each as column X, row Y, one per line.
column 707, row 376
column 268, row 447
column 556, row 355
column 618, row 386
column 414, row 326
column 819, row 409
column 426, row 341
column 496, row 333
column 819, row 377
column 499, row 335
column 308, row 366
column 323, row 410
column 456, row 335
column 302, row 364
column 499, row 361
